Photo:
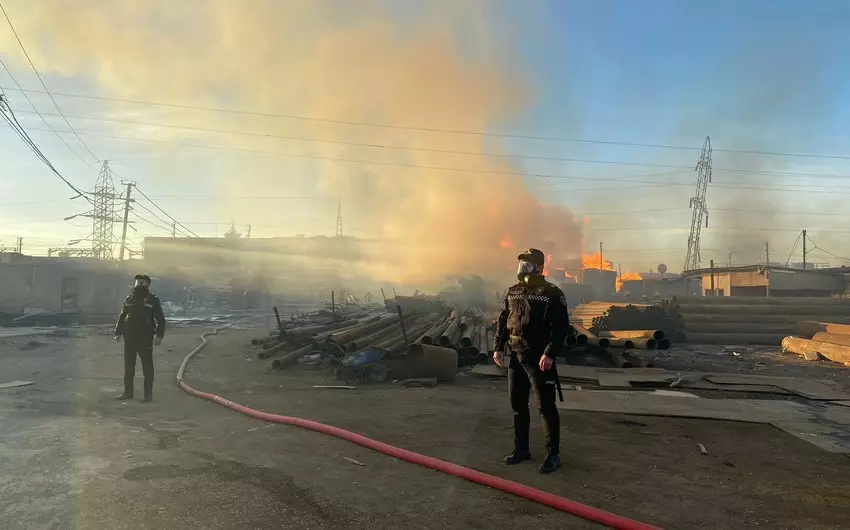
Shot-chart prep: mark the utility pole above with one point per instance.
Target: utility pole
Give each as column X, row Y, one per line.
column 173, row 229
column 248, row 235
column 766, row 254
column 339, row 218
column 600, row 256
column 804, row 249
column 127, row 201
column 713, row 290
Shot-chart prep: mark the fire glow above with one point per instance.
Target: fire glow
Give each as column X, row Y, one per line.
column 593, row 261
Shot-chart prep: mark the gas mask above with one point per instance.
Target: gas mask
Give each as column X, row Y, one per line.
column 140, row 285
column 527, row 269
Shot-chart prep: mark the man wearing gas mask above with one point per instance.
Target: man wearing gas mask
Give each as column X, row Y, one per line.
column 142, row 324
column 532, row 325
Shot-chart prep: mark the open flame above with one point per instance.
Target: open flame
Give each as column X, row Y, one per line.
column 506, row 242
column 625, row 277
column 593, row 261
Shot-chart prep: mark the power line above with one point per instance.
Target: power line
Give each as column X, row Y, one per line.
column 404, row 148
column 435, row 129
column 324, row 141
column 815, row 247
column 12, row 120
column 29, row 60
column 161, row 220
column 176, row 222
column 148, row 221
column 191, row 198
column 479, row 171
column 43, row 119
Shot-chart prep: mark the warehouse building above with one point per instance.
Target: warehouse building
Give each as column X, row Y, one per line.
column 60, row 285
column 761, row 280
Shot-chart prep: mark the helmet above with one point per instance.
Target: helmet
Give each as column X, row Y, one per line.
column 534, row 256
column 531, row 263
column 142, row 278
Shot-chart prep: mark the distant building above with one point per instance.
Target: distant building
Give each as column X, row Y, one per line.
column 35, row 283
column 761, row 280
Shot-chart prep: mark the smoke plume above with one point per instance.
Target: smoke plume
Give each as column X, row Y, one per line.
column 353, row 62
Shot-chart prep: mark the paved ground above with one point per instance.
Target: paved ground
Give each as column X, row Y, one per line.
column 70, row 456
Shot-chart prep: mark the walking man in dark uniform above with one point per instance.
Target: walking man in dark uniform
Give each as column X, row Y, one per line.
column 533, row 324
column 142, row 324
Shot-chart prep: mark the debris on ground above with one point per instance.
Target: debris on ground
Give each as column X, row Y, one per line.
column 33, row 345
column 419, row 382
column 15, row 384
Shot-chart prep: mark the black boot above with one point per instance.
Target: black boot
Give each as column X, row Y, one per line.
column 516, row 457
column 126, row 396
column 552, row 463
column 147, row 399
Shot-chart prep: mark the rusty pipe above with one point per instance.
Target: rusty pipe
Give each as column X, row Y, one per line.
column 593, row 340
column 636, row 343
column 656, row 334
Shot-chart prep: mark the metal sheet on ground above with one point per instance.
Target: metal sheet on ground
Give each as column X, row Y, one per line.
column 565, row 372
column 624, row 380
column 15, row 384
column 702, row 384
column 835, row 439
column 823, row 425
column 653, row 404
column 808, row 388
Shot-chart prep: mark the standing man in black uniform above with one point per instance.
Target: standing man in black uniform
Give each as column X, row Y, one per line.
column 533, row 324
column 142, row 324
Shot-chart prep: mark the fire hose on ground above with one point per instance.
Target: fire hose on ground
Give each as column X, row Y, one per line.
column 554, row 501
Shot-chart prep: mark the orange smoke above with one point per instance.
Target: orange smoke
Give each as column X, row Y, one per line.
column 506, row 242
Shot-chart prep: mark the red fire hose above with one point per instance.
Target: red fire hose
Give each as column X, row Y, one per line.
column 559, row 503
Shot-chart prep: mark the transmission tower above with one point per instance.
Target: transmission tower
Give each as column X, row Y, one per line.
column 103, row 214
column 697, row 203
column 103, row 217
column 339, row 219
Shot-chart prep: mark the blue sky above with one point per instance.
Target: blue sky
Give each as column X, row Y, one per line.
column 755, row 75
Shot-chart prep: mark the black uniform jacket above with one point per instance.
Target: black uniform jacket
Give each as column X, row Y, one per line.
column 141, row 318
column 533, row 320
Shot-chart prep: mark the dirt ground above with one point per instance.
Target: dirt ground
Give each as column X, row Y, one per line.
column 71, row 456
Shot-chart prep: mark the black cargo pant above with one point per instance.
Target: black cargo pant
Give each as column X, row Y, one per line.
column 522, row 377
column 144, row 349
